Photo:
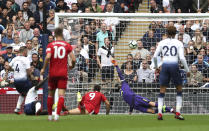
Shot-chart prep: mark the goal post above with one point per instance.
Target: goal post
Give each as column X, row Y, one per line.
column 124, row 28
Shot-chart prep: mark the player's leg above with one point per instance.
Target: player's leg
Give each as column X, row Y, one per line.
column 22, row 87
column 179, row 103
column 60, row 104
column 37, row 107
column 77, row 111
column 164, row 83
column 19, row 103
column 52, row 84
column 62, row 85
column 161, row 101
column 164, row 110
column 152, row 111
column 176, row 76
column 50, row 102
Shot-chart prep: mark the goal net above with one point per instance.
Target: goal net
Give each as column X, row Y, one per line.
column 132, row 42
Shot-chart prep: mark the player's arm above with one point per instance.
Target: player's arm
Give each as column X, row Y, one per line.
column 73, row 60
column 40, row 84
column 28, row 68
column 10, row 65
column 107, row 103
column 28, row 73
column 182, row 58
column 114, row 62
column 46, row 62
column 157, row 52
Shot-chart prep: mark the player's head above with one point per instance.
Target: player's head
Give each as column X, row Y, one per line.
column 97, row 88
column 171, row 31
column 23, row 50
column 58, row 32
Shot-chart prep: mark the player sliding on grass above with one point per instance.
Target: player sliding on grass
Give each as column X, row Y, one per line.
column 135, row 101
column 32, row 104
column 90, row 103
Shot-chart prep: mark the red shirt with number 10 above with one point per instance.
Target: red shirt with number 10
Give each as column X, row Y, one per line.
column 59, row 58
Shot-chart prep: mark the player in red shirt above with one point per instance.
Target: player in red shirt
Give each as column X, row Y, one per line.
column 90, row 103
column 57, row 55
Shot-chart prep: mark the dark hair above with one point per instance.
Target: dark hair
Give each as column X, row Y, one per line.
column 97, row 88
column 22, row 49
column 24, row 3
column 171, row 31
column 130, row 55
column 28, row 41
column 58, row 32
column 129, row 62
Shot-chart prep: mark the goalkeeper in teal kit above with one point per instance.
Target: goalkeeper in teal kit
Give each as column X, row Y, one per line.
column 135, row 101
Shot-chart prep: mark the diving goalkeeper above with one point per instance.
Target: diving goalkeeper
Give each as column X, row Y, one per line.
column 135, row 101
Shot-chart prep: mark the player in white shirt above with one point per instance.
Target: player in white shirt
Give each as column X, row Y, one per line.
column 32, row 104
column 21, row 66
column 172, row 51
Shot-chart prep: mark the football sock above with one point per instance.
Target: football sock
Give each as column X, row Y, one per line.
column 167, row 109
column 60, row 104
column 50, row 102
column 178, row 102
column 38, row 106
column 20, row 101
column 160, row 102
column 56, row 117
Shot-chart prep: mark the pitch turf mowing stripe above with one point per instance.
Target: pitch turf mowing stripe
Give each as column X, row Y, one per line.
column 104, row 123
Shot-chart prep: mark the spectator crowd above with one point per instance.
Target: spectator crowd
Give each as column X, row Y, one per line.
column 23, row 23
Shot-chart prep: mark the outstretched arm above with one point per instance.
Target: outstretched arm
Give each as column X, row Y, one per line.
column 40, row 84
column 107, row 107
column 119, row 72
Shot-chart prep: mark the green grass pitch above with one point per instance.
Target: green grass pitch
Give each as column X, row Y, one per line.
column 12, row 122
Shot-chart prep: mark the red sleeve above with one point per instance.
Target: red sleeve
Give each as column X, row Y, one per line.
column 82, row 100
column 103, row 97
column 49, row 49
column 70, row 48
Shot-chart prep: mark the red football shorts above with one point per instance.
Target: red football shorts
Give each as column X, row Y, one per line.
column 88, row 107
column 57, row 82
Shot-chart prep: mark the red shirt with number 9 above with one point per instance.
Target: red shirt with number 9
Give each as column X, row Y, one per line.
column 93, row 100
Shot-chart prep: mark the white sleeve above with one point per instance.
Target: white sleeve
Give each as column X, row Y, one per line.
column 165, row 3
column 99, row 52
column 157, row 52
column 11, row 63
column 182, row 58
column 112, row 50
column 27, row 63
